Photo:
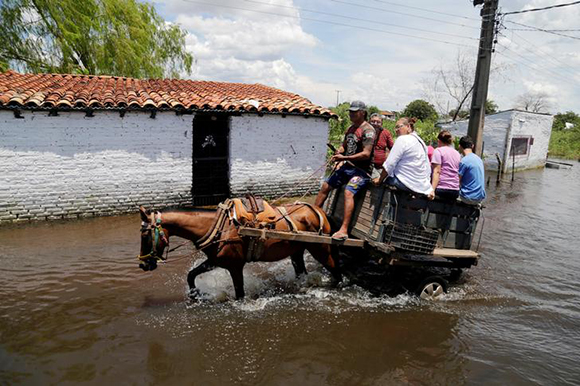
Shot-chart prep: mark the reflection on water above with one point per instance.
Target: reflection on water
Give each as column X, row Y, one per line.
column 74, row 307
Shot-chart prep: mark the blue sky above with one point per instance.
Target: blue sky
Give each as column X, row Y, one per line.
column 383, row 52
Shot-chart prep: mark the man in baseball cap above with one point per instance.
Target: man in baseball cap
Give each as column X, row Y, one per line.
column 355, row 153
column 357, row 106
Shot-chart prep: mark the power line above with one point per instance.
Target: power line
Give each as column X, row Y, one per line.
column 550, row 30
column 404, row 14
column 544, row 30
column 553, row 74
column 331, row 22
column 427, row 10
column 542, row 9
column 360, row 19
column 537, row 50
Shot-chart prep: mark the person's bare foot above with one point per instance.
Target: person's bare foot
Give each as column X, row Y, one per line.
column 340, row 236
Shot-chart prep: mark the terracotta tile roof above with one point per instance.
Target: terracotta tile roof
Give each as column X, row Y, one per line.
column 60, row 91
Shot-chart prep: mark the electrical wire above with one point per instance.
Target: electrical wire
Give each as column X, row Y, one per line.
column 550, row 30
column 426, row 10
column 543, row 30
column 361, row 19
column 536, row 50
column 403, row 13
column 542, row 9
column 331, row 22
column 539, row 69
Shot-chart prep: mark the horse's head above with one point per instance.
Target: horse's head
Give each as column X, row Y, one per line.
column 154, row 240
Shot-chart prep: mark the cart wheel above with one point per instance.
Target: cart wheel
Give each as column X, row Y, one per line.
column 432, row 288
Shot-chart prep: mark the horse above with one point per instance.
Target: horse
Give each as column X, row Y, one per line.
column 227, row 249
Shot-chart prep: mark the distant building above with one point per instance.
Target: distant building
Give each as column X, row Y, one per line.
column 79, row 145
column 518, row 138
column 390, row 115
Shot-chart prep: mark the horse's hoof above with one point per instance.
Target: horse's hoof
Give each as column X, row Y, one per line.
column 194, row 294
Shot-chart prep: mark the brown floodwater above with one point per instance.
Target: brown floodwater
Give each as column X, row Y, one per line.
column 75, row 308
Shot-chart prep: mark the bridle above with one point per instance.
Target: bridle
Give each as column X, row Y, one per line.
column 156, row 234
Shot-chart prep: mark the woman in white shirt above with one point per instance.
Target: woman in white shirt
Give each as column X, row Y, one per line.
column 407, row 165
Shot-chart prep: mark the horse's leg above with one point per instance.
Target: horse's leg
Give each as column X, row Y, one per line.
column 323, row 254
column 237, row 274
column 297, row 259
column 202, row 268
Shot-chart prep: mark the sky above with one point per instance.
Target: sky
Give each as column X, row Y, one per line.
column 381, row 52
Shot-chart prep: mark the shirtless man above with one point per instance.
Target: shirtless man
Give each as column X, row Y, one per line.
column 355, row 153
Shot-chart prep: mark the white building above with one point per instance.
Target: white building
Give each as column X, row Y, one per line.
column 76, row 146
column 516, row 138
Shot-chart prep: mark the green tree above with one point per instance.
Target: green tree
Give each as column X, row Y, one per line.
column 490, row 107
column 560, row 120
column 421, row 110
column 462, row 114
column 112, row 37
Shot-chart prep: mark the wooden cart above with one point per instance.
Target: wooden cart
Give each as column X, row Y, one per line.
column 399, row 241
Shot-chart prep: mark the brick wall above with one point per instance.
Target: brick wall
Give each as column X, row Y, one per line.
column 72, row 166
column 271, row 155
column 498, row 132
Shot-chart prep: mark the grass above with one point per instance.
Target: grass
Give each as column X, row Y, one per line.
column 565, row 144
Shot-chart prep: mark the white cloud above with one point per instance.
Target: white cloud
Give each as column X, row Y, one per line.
column 556, row 18
column 252, row 42
column 243, row 38
column 376, row 90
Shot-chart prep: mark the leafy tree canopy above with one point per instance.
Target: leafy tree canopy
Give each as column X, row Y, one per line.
column 112, row 37
column 490, row 107
column 461, row 114
column 421, row 110
column 560, row 120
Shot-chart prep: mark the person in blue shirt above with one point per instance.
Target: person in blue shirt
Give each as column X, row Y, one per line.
column 471, row 174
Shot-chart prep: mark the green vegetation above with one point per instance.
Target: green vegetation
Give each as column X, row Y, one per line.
column 111, row 37
column 565, row 143
column 490, row 108
column 421, row 110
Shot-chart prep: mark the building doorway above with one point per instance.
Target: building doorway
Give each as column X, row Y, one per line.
column 211, row 182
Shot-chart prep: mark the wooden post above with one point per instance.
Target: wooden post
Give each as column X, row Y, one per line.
column 477, row 112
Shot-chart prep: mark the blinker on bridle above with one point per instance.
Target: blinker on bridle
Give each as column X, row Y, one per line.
column 158, row 234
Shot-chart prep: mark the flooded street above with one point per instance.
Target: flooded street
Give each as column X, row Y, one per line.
column 75, row 307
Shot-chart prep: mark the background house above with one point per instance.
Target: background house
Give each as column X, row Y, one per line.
column 390, row 115
column 518, row 138
column 74, row 146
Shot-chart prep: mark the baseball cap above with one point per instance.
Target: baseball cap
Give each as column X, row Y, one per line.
column 357, row 105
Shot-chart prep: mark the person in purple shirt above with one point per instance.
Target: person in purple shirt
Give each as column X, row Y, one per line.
column 445, row 166
column 471, row 174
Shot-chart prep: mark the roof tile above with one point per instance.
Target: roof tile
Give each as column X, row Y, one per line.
column 80, row 91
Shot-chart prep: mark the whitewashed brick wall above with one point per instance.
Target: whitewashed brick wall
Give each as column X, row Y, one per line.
column 71, row 166
column 498, row 132
column 271, row 155
column 538, row 126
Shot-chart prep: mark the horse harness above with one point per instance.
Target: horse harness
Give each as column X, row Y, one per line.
column 158, row 234
column 227, row 212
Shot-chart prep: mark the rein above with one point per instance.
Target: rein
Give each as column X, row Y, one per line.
column 158, row 234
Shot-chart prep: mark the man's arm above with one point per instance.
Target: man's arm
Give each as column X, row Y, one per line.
column 363, row 155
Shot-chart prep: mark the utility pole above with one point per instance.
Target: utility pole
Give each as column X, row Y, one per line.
column 337, row 93
column 477, row 112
